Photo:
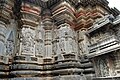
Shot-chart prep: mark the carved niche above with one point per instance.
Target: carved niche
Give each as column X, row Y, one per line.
column 10, row 45
column 39, row 47
column 67, row 39
column 102, row 65
column 28, row 36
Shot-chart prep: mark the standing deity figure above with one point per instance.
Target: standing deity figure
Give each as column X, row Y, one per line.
column 39, row 47
column 28, row 40
column 66, row 41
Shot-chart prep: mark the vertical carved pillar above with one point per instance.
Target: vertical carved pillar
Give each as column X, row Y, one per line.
column 5, row 16
column 67, row 42
column 39, row 46
column 55, row 42
column 2, row 37
column 26, row 59
column 117, row 62
column 48, row 25
column 48, row 55
column 83, row 49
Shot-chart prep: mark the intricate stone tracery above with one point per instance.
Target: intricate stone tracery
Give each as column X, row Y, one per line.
column 58, row 39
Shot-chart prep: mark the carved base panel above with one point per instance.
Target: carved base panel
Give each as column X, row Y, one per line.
column 26, row 59
column 69, row 77
column 4, row 60
column 25, row 73
column 67, row 65
column 26, row 67
column 33, row 78
column 65, row 77
column 89, row 76
column 108, row 78
column 63, row 57
column 3, row 73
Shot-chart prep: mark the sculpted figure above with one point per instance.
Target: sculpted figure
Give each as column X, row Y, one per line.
column 28, row 40
column 39, row 48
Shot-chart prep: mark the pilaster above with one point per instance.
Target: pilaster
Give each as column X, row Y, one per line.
column 65, row 42
column 26, row 61
column 83, row 41
column 5, row 16
column 48, row 26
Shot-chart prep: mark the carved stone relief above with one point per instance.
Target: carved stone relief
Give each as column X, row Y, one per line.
column 103, row 68
column 39, row 46
column 28, row 40
column 9, row 48
column 100, row 36
column 10, row 44
column 83, row 41
column 2, row 37
column 57, row 44
column 67, row 39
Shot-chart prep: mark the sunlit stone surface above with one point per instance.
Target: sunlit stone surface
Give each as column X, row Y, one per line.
column 59, row 40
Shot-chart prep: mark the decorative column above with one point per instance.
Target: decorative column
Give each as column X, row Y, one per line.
column 5, row 16
column 64, row 18
column 48, row 55
column 25, row 61
column 2, row 37
column 67, row 64
column 47, row 25
column 67, row 41
column 39, row 46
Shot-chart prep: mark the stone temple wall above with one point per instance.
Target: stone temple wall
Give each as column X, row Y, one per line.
column 59, row 40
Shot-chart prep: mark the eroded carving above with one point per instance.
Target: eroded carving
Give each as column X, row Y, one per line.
column 28, row 40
